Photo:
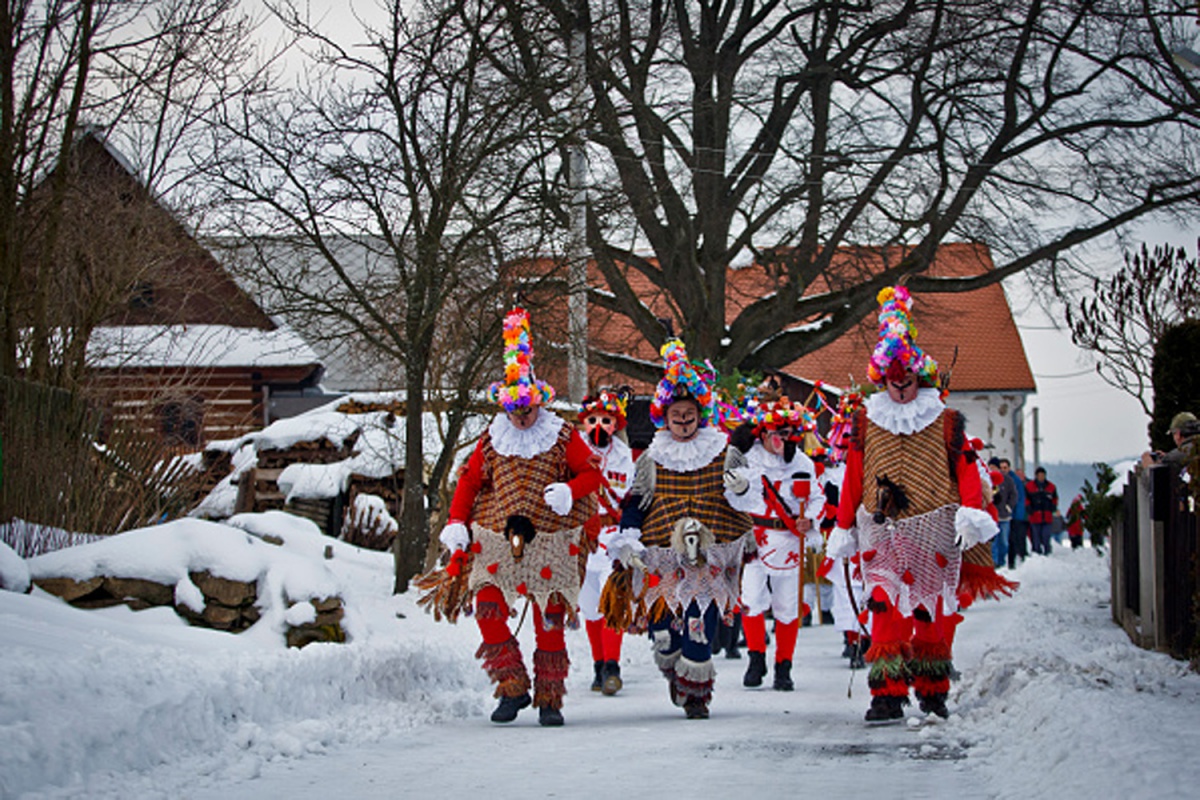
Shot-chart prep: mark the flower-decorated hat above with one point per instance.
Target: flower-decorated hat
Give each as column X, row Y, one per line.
column 782, row 413
column 608, row 400
column 680, row 380
column 896, row 350
column 520, row 387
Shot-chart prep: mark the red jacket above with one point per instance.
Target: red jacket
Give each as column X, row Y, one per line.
column 1041, row 501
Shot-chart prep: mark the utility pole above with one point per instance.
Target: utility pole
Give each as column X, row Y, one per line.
column 577, row 260
column 1037, row 440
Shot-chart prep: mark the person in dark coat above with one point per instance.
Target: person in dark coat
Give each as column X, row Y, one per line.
column 1042, row 499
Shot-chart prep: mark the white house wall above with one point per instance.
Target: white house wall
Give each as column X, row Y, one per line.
column 990, row 416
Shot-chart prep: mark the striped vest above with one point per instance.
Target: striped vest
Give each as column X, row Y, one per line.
column 699, row 494
column 920, row 463
column 514, row 485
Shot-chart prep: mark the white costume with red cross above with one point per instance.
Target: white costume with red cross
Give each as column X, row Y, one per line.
column 778, row 492
column 616, row 465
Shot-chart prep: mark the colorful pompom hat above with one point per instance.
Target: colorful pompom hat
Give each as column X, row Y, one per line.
column 896, row 350
column 680, row 379
column 520, row 387
column 608, row 400
column 782, row 413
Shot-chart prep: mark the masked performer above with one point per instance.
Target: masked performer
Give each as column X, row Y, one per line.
column 519, row 508
column 778, row 486
column 680, row 531
column 602, row 417
column 911, row 503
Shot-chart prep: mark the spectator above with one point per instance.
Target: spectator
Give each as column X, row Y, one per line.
column 1042, row 501
column 1004, row 497
column 1075, row 517
column 1017, row 541
column 1184, row 429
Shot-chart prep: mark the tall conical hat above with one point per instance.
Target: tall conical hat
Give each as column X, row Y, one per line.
column 520, row 387
column 897, row 349
column 680, row 379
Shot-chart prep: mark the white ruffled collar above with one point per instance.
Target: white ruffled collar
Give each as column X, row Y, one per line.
column 509, row 440
column 689, row 456
column 905, row 418
column 758, row 458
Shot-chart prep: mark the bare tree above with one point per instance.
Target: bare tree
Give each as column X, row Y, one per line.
column 1126, row 313
column 386, row 194
column 789, row 130
column 143, row 70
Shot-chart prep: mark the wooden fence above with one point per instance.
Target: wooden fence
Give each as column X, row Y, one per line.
column 1154, row 562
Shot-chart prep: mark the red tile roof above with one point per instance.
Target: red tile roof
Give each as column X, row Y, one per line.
column 979, row 323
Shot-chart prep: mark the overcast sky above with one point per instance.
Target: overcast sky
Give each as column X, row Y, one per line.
column 1082, row 418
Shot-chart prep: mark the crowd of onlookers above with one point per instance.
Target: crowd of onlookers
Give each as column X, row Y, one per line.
column 1027, row 509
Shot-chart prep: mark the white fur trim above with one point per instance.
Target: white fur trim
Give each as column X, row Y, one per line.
column 689, row 456
column 973, row 526
column 509, row 440
column 904, row 419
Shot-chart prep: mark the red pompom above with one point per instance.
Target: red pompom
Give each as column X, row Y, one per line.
column 573, row 549
column 868, row 555
column 941, row 560
column 493, row 567
column 654, row 580
column 908, row 578
column 546, row 573
column 476, row 548
column 522, row 588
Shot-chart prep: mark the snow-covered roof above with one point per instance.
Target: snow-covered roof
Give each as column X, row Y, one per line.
column 197, row 346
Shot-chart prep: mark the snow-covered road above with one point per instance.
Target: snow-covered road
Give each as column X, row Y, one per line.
column 1053, row 702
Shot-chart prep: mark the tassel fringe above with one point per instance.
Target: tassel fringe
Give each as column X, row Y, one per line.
column 982, row 581
column 446, row 595
column 549, row 677
column 504, row 665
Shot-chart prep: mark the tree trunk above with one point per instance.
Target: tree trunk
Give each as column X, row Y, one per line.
column 410, row 544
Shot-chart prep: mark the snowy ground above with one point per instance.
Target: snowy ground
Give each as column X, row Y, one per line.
column 1053, row 702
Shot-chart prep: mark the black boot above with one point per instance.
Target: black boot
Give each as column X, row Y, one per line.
column 756, row 670
column 783, row 676
column 598, row 681
column 612, row 678
column 848, row 648
column 695, row 708
column 550, row 717
column 860, row 650
column 885, row 709
column 509, row 706
column 933, row 704
column 735, row 633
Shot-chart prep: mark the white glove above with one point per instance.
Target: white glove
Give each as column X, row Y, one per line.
column 455, row 536
column 558, row 496
column 841, row 544
column 736, row 482
column 972, row 526
column 813, row 540
column 626, row 546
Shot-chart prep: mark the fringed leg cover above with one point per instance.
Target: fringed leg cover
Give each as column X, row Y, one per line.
column 665, row 657
column 504, row 665
column 930, row 666
column 890, row 649
column 549, row 678
column 694, row 680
